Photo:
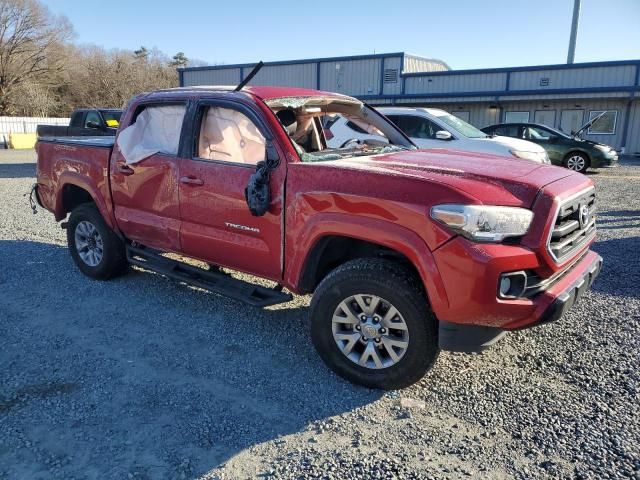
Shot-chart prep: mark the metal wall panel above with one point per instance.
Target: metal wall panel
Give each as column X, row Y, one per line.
column 393, row 63
column 215, row 76
column 351, row 77
column 573, row 78
column 633, row 134
column 452, row 83
column 301, row 75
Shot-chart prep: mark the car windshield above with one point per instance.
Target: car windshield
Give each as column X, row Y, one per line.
column 111, row 117
column 460, row 126
column 323, row 128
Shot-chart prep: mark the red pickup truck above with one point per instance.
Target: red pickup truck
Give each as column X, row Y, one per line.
column 407, row 252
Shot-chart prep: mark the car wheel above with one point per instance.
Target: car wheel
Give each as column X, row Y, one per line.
column 371, row 324
column 577, row 162
column 97, row 251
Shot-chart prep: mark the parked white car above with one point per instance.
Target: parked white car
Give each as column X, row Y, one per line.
column 435, row 128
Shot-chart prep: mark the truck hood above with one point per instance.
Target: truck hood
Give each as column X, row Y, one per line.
column 488, row 178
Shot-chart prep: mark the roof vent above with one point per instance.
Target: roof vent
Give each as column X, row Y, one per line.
column 390, row 75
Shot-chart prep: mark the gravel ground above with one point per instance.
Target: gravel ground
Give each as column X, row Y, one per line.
column 143, row 378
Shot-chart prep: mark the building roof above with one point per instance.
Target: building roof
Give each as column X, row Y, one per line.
column 347, row 58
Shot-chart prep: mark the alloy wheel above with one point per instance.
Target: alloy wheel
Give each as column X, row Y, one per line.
column 89, row 243
column 370, row 331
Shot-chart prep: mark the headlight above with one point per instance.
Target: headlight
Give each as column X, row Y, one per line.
column 540, row 157
column 484, row 223
column 603, row 148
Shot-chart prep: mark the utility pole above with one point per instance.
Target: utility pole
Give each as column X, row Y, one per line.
column 574, row 31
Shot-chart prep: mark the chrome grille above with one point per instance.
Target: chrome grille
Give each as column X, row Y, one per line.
column 574, row 226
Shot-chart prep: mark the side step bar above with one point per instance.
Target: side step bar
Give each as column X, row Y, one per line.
column 216, row 282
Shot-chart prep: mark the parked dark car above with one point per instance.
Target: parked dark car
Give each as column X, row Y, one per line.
column 85, row 122
column 570, row 151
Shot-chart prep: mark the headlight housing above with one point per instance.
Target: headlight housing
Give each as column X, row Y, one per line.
column 484, row 223
column 540, row 157
column 603, row 148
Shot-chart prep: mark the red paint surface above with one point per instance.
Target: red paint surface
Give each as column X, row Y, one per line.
column 384, row 199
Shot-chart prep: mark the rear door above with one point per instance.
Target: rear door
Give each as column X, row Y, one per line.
column 228, row 140
column 145, row 194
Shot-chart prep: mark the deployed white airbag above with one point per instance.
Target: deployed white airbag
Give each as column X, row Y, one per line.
column 156, row 130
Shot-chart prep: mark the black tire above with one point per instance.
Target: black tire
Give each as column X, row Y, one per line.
column 571, row 159
column 114, row 257
column 395, row 284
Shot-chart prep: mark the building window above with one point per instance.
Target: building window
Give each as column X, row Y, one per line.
column 606, row 124
column 516, row 117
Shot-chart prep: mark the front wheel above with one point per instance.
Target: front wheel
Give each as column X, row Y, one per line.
column 371, row 324
column 97, row 251
column 578, row 162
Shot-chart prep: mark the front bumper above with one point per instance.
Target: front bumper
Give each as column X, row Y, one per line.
column 550, row 305
column 571, row 294
column 606, row 160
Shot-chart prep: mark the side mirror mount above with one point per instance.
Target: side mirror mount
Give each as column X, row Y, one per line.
column 258, row 193
column 95, row 125
column 443, row 135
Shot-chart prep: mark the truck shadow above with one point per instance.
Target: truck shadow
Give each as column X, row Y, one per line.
column 620, row 274
column 17, row 170
column 169, row 380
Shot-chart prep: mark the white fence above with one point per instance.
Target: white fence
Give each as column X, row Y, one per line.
column 25, row 125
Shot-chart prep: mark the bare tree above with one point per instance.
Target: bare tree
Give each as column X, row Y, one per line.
column 29, row 39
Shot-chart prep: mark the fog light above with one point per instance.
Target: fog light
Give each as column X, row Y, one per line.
column 512, row 284
column 505, row 286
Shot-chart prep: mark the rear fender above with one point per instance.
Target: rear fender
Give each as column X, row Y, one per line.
column 87, row 184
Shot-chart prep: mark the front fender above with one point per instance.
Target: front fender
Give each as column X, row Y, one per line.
column 384, row 233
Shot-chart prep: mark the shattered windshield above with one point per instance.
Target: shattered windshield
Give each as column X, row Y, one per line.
column 331, row 128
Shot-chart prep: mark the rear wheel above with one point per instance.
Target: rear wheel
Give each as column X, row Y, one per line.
column 371, row 324
column 577, row 162
column 97, row 251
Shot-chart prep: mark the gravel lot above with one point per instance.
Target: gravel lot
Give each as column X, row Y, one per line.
column 143, row 378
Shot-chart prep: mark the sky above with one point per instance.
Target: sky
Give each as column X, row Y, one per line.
column 463, row 33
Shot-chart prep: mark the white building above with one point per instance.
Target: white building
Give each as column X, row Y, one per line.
column 562, row 96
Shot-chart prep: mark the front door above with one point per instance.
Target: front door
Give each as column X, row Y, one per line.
column 217, row 226
column 145, row 193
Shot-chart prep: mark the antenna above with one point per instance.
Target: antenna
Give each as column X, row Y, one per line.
column 248, row 78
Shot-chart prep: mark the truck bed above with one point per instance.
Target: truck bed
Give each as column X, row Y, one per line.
column 68, row 162
column 96, row 141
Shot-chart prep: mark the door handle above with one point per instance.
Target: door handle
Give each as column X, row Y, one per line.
column 125, row 169
column 191, row 181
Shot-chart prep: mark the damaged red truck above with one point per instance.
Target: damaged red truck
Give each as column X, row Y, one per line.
column 407, row 252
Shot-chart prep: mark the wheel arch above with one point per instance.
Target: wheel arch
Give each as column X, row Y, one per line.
column 332, row 240
column 74, row 191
